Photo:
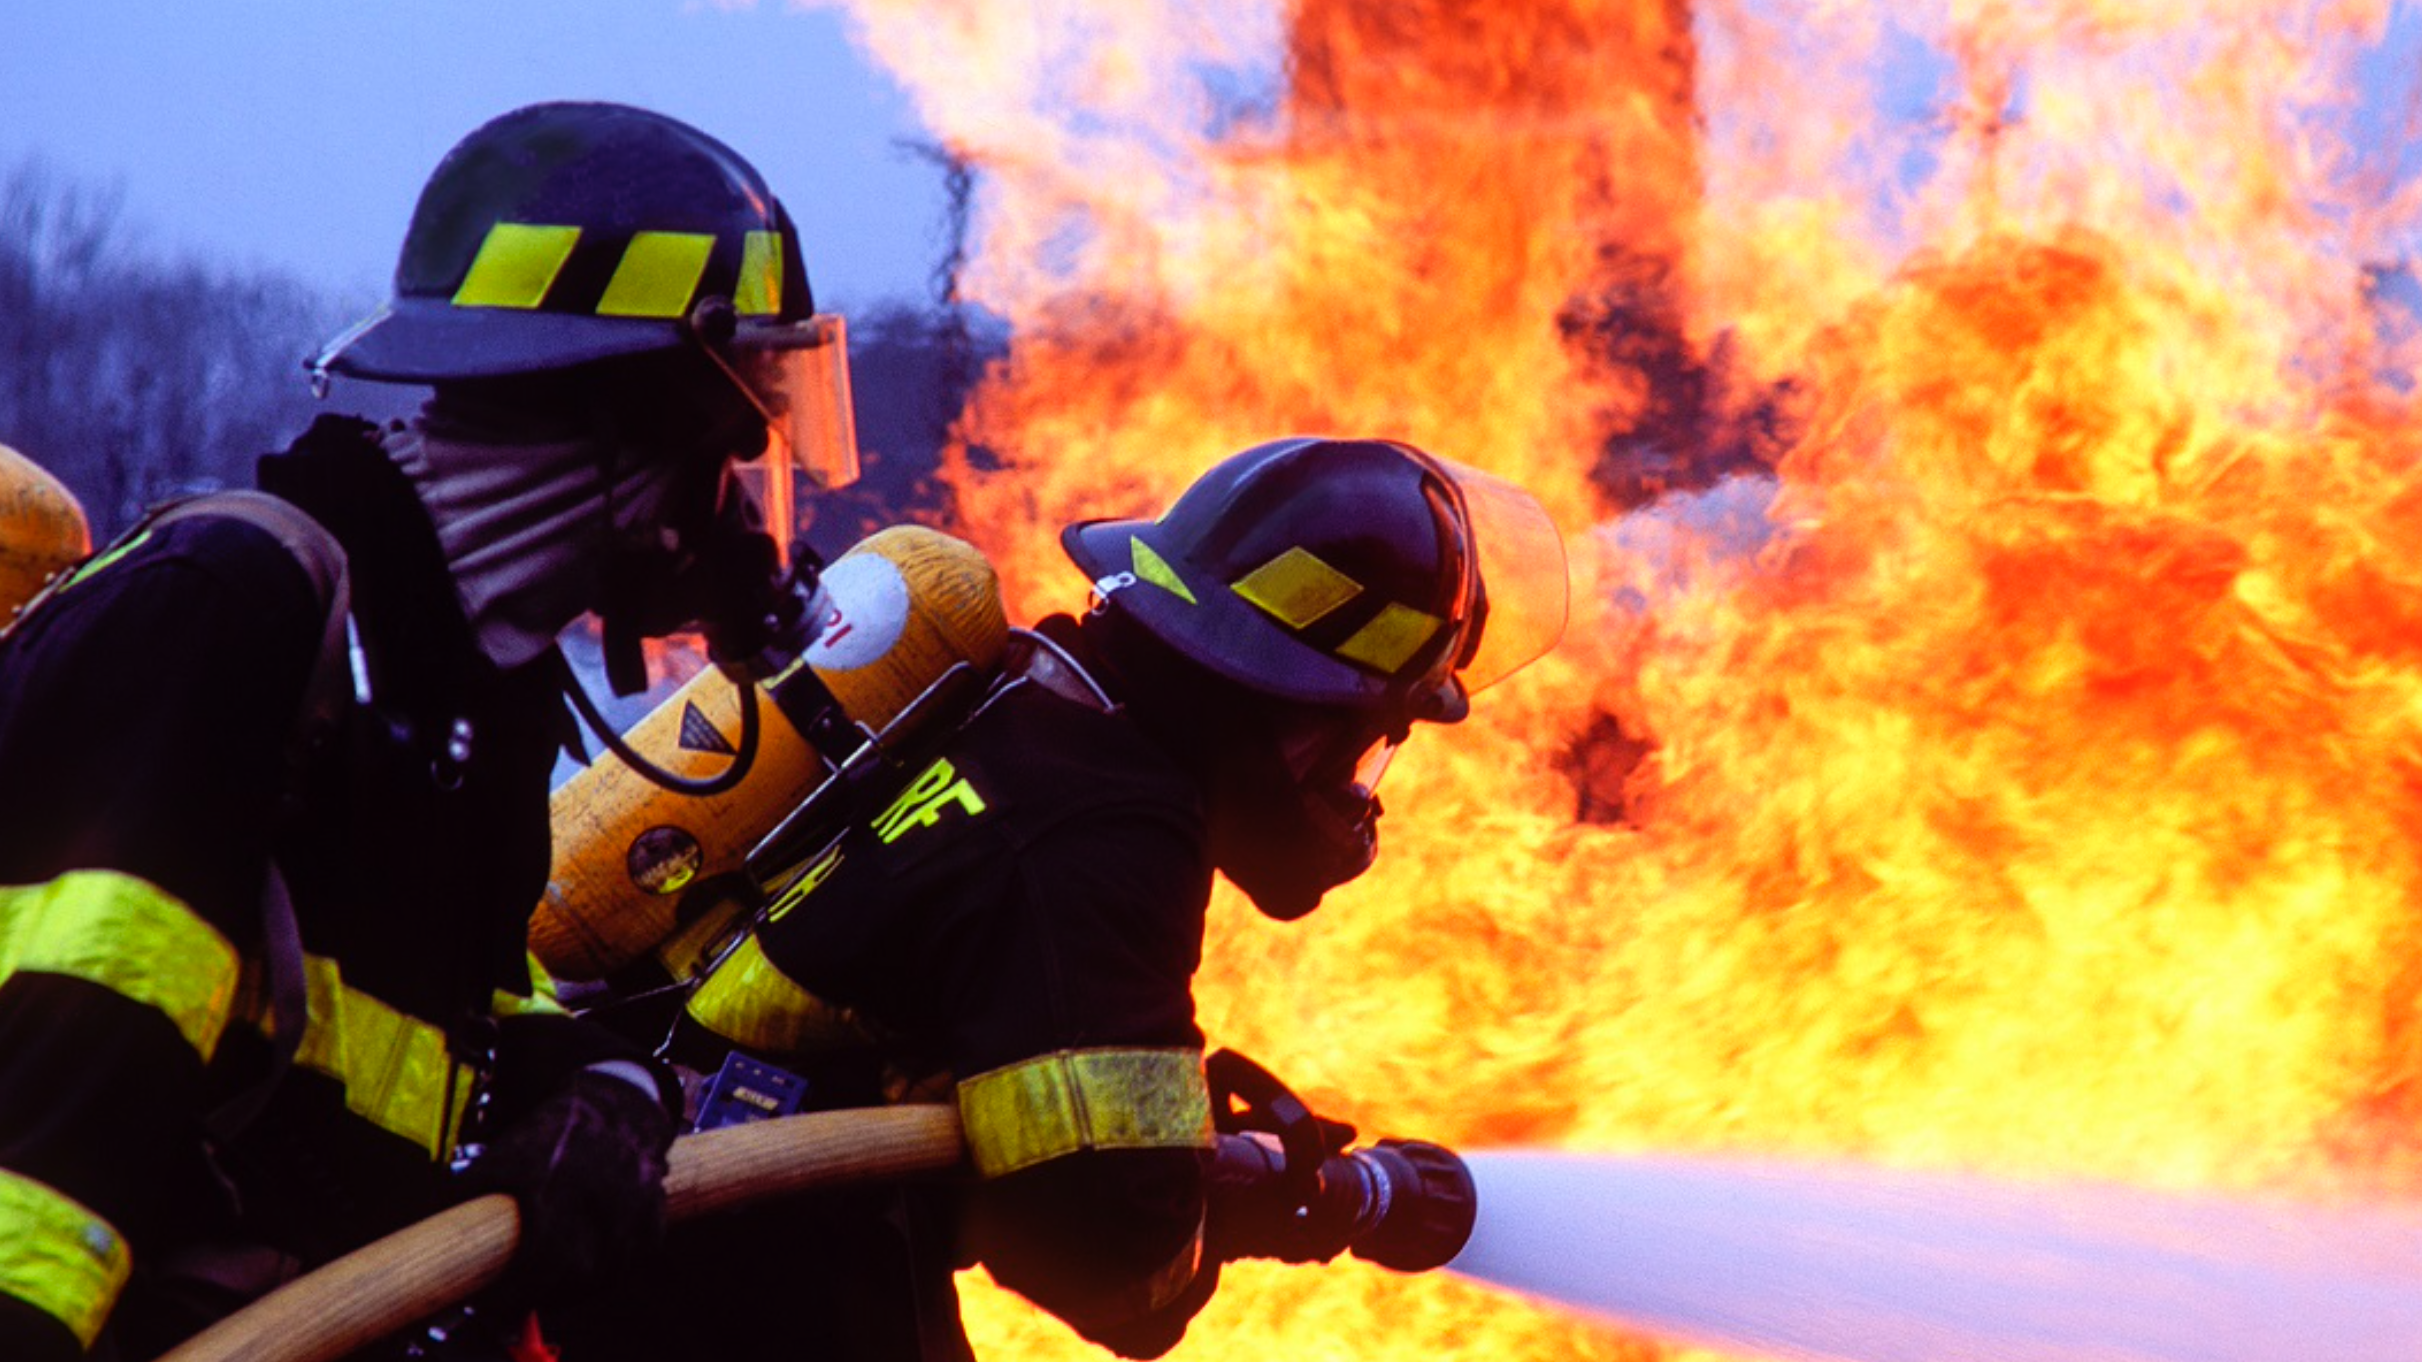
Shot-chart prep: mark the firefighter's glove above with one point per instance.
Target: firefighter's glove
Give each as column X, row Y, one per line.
column 586, row 1167
column 1260, row 1223
column 1290, row 1220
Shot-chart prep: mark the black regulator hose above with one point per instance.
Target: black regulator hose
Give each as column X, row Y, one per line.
column 743, row 760
column 758, row 640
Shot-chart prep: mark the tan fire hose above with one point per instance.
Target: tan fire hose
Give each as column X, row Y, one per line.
column 416, row 1272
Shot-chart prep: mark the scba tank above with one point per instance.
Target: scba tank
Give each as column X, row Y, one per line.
column 643, row 870
column 43, row 530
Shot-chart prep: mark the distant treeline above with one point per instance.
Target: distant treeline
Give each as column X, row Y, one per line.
column 135, row 376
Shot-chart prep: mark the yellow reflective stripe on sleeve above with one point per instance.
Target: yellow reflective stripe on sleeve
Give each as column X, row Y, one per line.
column 1056, row 1104
column 748, row 1001
column 516, row 265
column 1297, row 587
column 129, row 937
column 1391, row 638
column 658, row 273
column 396, row 1070
column 759, row 291
column 59, row 1257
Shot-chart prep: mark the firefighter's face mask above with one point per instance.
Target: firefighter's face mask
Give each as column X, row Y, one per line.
column 719, row 573
column 796, row 375
column 1299, row 816
column 1337, row 753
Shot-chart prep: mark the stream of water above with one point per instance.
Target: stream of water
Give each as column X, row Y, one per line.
column 1852, row 1264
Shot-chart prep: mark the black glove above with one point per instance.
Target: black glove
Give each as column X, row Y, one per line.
column 1267, row 1188
column 587, row 1169
column 1300, row 1219
column 1264, row 1222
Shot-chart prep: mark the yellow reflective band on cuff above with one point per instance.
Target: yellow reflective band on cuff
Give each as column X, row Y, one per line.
column 751, row 1002
column 1056, row 1104
column 59, row 1257
column 1391, row 638
column 759, row 292
column 396, row 1069
column 658, row 273
column 129, row 937
column 516, row 265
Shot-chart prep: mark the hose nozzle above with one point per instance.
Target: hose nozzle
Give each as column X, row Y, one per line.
column 1423, row 1203
column 1283, row 1185
column 1406, row 1205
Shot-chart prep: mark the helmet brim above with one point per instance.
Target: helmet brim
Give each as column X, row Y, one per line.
column 414, row 340
column 1218, row 629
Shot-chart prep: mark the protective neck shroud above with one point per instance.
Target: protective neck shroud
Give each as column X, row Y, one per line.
column 529, row 517
column 1284, row 843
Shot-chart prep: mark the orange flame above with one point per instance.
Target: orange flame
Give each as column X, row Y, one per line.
column 2025, row 774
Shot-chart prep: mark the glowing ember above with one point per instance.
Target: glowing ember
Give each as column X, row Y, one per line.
column 2033, row 782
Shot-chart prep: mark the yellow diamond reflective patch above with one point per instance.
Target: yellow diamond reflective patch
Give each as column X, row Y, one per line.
column 1150, row 567
column 516, row 265
column 658, row 273
column 1297, row 587
column 759, row 292
column 1391, row 638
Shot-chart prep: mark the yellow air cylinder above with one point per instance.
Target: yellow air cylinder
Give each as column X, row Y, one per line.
column 904, row 605
column 42, row 530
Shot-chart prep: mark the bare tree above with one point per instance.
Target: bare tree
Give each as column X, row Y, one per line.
column 135, row 376
column 130, row 375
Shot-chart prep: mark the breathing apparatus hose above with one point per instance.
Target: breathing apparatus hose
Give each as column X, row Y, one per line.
column 743, row 760
column 418, row 1271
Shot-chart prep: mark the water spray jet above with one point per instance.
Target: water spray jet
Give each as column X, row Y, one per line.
column 1839, row 1263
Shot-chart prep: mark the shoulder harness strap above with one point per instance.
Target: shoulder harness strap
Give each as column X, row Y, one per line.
column 325, row 693
column 331, row 683
column 322, row 560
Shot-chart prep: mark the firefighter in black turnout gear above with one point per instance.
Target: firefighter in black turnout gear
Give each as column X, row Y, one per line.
column 1015, row 922
column 274, row 768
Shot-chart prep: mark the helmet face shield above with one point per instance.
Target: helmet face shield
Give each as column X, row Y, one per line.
column 1523, row 581
column 796, row 374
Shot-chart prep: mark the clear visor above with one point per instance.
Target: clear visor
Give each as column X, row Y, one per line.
column 1323, row 751
column 1372, row 764
column 1522, row 575
column 797, row 376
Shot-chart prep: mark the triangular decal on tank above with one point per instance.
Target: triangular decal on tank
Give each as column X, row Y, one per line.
column 699, row 734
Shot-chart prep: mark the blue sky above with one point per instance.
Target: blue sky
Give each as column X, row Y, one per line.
column 295, row 134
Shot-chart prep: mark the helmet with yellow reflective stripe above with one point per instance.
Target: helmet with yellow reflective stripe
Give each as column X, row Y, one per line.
column 1363, row 574
column 564, row 233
